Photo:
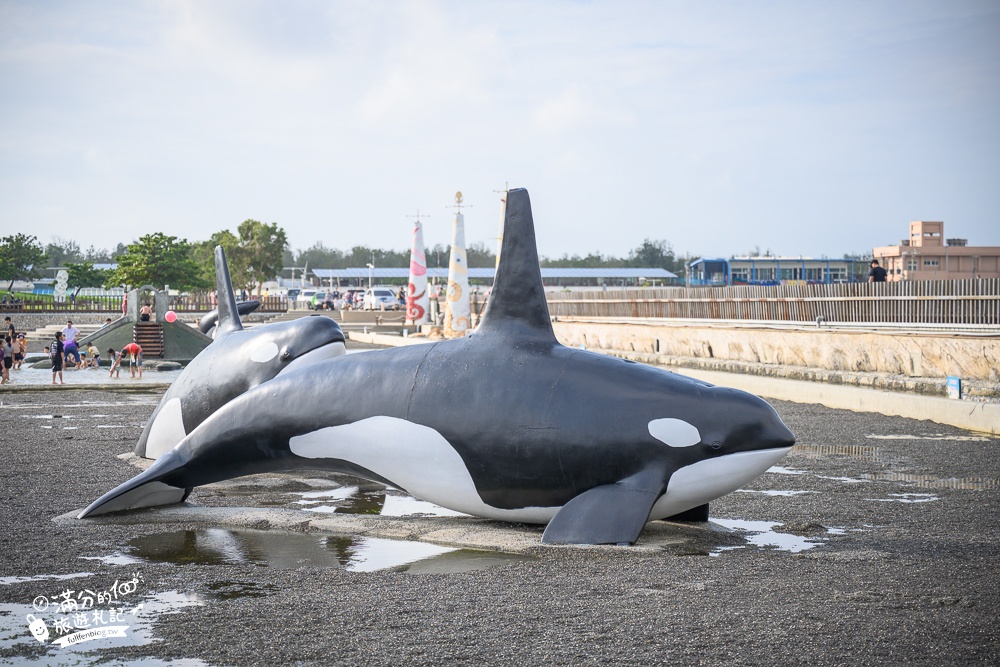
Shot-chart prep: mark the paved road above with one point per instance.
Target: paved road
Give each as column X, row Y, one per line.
column 876, row 543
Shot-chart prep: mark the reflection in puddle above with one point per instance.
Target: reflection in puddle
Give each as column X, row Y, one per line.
column 16, row 639
column 930, row 482
column 956, row 438
column 906, row 498
column 353, row 500
column 762, row 534
column 845, row 480
column 215, row 546
column 862, row 452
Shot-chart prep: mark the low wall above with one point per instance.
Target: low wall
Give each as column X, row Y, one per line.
column 927, row 355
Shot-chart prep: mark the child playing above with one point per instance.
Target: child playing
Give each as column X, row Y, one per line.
column 93, row 356
column 116, row 360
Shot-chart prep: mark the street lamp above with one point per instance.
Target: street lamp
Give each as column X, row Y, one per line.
column 371, row 267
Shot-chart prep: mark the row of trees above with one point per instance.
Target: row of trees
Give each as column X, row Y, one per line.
column 257, row 252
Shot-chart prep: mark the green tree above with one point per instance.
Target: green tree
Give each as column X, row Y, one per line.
column 158, row 260
column 203, row 254
column 20, row 257
column 62, row 252
column 654, row 255
column 262, row 248
column 85, row 275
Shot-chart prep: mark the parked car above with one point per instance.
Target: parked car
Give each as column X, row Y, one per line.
column 381, row 298
column 293, row 293
column 306, row 297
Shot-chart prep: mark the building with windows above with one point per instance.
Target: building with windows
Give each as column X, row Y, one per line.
column 768, row 270
column 927, row 255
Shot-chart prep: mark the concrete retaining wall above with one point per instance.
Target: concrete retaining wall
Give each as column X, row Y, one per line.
column 926, row 355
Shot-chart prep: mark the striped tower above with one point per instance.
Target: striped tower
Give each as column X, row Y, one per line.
column 416, row 292
column 457, row 311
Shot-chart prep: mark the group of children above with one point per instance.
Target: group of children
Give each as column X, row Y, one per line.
column 65, row 353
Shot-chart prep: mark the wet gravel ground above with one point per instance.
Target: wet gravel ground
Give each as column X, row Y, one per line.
column 909, row 574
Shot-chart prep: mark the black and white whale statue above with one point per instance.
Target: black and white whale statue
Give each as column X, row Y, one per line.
column 238, row 359
column 504, row 423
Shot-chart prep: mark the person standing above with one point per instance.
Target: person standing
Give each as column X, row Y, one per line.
column 70, row 332
column 20, row 349
column 10, row 328
column 56, row 352
column 8, row 359
column 877, row 274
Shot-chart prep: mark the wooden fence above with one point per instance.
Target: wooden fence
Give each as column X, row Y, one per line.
column 195, row 303
column 975, row 302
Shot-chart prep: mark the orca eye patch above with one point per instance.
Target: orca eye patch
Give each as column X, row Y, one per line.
column 264, row 352
column 674, row 432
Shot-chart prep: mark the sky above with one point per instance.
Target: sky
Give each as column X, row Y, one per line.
column 803, row 128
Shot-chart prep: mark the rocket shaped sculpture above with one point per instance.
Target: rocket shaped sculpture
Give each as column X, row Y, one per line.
column 416, row 292
column 456, row 317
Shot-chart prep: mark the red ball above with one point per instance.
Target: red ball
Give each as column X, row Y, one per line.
column 170, row 316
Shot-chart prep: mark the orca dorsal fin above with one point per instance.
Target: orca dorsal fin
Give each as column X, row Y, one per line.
column 229, row 316
column 517, row 301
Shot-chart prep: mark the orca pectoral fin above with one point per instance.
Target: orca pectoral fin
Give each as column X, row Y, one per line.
column 609, row 514
column 144, row 490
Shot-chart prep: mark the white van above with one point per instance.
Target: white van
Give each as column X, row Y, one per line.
column 381, row 298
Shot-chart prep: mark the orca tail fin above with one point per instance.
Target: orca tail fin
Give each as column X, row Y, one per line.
column 517, row 300
column 229, row 316
column 148, row 489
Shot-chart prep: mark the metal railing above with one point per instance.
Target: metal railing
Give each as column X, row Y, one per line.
column 974, row 302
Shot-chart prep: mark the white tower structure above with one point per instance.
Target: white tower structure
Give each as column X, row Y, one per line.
column 416, row 291
column 457, row 311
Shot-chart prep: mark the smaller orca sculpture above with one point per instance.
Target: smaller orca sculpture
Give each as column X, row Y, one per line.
column 504, row 423
column 236, row 361
column 209, row 320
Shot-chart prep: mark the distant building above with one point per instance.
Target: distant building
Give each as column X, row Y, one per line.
column 927, row 255
column 775, row 271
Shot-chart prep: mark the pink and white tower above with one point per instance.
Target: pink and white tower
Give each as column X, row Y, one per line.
column 416, row 292
column 458, row 310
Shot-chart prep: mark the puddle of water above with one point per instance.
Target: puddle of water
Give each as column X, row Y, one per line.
column 41, row 376
column 862, row 452
column 956, row 438
column 845, row 480
column 352, row 500
column 7, row 581
column 929, row 482
column 762, row 534
column 132, row 626
column 116, row 558
column 216, row 546
column 783, row 494
column 780, row 470
column 906, row 498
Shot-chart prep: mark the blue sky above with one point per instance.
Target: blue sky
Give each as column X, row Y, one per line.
column 806, row 128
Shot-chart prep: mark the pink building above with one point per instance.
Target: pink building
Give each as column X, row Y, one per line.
column 926, row 255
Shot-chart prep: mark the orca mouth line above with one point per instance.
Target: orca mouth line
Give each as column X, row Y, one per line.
column 334, row 348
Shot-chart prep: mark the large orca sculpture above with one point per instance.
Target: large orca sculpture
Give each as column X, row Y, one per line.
column 504, row 423
column 237, row 360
